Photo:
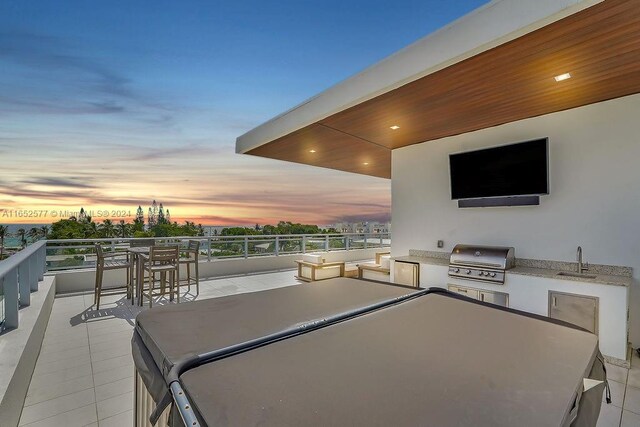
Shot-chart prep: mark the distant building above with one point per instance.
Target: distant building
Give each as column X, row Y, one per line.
column 362, row 227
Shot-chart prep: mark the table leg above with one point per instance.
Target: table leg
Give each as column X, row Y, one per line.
column 139, row 281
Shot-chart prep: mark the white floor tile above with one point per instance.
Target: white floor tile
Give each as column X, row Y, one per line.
column 124, row 335
column 617, row 393
column 51, row 390
column 124, row 419
column 112, row 375
column 114, row 362
column 54, row 356
column 609, row 416
column 113, row 389
column 59, row 405
column 617, row 373
column 115, row 405
column 111, row 352
column 62, row 375
column 76, row 418
column 629, row 419
column 634, row 377
column 65, row 345
column 49, row 367
column 632, row 400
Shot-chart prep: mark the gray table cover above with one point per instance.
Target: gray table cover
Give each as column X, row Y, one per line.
column 432, row 361
column 170, row 333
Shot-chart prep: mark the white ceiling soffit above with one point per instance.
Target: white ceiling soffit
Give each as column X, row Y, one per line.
column 486, row 27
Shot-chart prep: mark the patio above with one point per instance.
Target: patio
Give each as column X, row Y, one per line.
column 84, row 374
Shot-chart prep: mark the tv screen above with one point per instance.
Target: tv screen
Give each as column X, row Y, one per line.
column 510, row 170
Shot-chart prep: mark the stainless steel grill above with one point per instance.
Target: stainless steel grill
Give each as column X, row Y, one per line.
column 481, row 263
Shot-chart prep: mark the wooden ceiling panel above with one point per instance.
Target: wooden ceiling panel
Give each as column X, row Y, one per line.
column 599, row 46
column 332, row 149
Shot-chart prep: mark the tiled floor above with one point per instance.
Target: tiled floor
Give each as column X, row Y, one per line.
column 624, row 410
column 84, row 374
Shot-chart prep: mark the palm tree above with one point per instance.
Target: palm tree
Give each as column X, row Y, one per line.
column 123, row 228
column 107, row 228
column 22, row 233
column 44, row 231
column 33, row 234
column 90, row 230
column 4, row 232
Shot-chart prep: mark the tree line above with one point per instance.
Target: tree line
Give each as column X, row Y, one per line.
column 158, row 224
column 283, row 227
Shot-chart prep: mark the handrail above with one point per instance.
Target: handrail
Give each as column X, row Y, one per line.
column 216, row 236
column 14, row 261
column 79, row 252
column 19, row 275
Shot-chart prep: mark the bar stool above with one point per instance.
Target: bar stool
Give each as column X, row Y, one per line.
column 193, row 253
column 108, row 261
column 163, row 260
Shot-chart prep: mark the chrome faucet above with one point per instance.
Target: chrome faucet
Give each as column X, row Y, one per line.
column 581, row 267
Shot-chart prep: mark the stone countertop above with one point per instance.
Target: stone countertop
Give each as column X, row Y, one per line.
column 602, row 279
column 548, row 273
column 422, row 260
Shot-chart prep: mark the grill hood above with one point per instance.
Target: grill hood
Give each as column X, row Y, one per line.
column 495, row 257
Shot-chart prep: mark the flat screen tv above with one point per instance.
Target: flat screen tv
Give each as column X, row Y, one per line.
column 510, row 170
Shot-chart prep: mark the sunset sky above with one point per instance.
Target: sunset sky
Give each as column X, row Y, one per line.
column 111, row 104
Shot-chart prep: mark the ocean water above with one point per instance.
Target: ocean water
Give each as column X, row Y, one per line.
column 12, row 240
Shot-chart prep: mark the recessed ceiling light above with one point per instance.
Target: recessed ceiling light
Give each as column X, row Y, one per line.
column 312, row 151
column 365, row 163
column 562, row 77
column 394, row 127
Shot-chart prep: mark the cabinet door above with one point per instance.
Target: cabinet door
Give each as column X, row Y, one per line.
column 471, row 293
column 497, row 298
column 580, row 310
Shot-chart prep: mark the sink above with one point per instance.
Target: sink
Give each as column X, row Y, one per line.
column 581, row 275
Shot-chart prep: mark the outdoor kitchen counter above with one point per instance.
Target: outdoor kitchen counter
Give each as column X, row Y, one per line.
column 602, row 279
column 422, row 260
column 547, row 273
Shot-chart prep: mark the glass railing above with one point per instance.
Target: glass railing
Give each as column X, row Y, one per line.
column 66, row 254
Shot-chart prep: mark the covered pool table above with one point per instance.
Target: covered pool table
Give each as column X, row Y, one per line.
column 358, row 353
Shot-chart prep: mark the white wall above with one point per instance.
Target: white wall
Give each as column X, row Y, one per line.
column 594, row 196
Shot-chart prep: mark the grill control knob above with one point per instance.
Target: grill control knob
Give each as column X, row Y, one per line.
column 456, row 270
column 493, row 274
column 482, row 273
column 468, row 271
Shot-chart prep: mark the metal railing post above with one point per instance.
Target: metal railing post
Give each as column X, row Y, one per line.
column 24, row 283
column 209, row 247
column 277, row 248
column 10, row 288
column 347, row 242
column 326, row 243
column 365, row 241
column 246, row 246
column 304, row 244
